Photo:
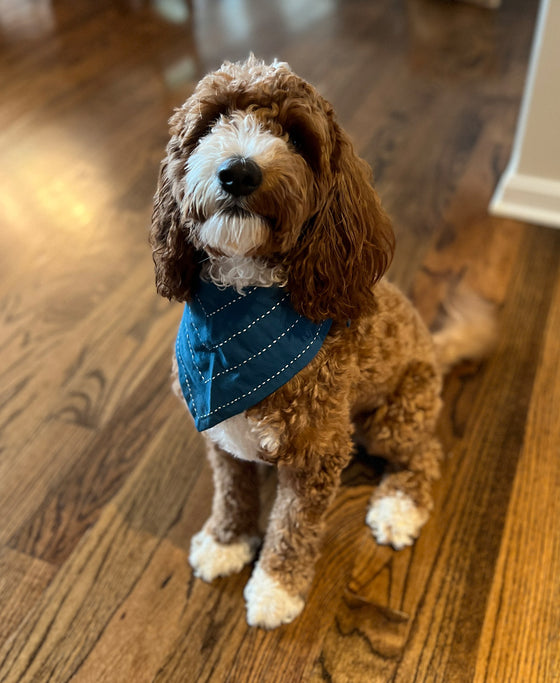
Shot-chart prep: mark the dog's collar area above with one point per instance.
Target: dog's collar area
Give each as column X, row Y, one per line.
column 233, row 350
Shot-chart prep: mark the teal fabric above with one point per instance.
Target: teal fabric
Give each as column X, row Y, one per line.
column 233, row 350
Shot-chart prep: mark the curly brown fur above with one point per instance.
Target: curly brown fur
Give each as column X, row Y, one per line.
column 324, row 215
column 316, row 224
column 176, row 261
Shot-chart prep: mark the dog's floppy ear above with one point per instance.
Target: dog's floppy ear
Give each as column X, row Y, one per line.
column 346, row 247
column 176, row 261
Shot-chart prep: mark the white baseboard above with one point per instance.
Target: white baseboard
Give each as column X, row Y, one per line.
column 527, row 198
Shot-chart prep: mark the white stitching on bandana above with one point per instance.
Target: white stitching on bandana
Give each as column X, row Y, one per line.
column 209, row 315
column 225, row 405
column 255, row 355
column 178, row 354
column 205, row 381
column 247, row 360
column 236, row 334
column 252, row 323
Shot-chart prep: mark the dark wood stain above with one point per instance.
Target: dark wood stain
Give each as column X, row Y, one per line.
column 102, row 480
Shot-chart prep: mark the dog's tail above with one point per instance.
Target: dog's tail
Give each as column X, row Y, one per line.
column 469, row 329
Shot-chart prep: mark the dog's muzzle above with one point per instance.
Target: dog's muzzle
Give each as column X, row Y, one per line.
column 240, row 176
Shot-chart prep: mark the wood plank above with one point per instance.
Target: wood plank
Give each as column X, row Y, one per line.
column 445, row 633
column 439, row 586
column 22, row 581
column 101, row 474
column 105, row 566
column 520, row 639
column 87, row 383
column 149, row 622
column 251, row 654
column 470, row 248
column 77, row 496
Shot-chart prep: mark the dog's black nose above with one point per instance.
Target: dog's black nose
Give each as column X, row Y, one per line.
column 240, row 176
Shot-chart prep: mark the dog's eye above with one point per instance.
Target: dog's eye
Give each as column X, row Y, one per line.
column 296, row 140
column 304, row 143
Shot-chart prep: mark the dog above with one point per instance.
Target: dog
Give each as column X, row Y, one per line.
column 263, row 209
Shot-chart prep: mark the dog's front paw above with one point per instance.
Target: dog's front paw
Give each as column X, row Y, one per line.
column 268, row 604
column 395, row 520
column 211, row 559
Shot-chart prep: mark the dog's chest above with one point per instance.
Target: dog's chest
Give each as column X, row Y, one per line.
column 243, row 438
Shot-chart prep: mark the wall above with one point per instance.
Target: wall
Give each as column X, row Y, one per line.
column 530, row 186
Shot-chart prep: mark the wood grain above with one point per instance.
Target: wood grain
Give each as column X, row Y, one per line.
column 521, row 632
column 22, row 581
column 102, row 479
column 438, row 588
column 109, row 561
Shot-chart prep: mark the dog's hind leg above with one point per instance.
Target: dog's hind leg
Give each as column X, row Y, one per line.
column 403, row 432
column 230, row 539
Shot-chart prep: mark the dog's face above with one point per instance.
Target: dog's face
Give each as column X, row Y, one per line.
column 258, row 167
column 248, row 160
column 247, row 189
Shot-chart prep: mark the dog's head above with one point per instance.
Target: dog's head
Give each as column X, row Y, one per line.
column 258, row 167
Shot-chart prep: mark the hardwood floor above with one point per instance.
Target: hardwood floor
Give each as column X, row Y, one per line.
column 102, row 480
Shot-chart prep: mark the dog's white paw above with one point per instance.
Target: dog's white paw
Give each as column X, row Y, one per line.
column 211, row 559
column 395, row 520
column 268, row 604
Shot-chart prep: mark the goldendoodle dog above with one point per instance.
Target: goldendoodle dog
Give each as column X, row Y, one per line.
column 292, row 347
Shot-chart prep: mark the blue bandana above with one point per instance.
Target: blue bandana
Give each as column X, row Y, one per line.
column 233, row 350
